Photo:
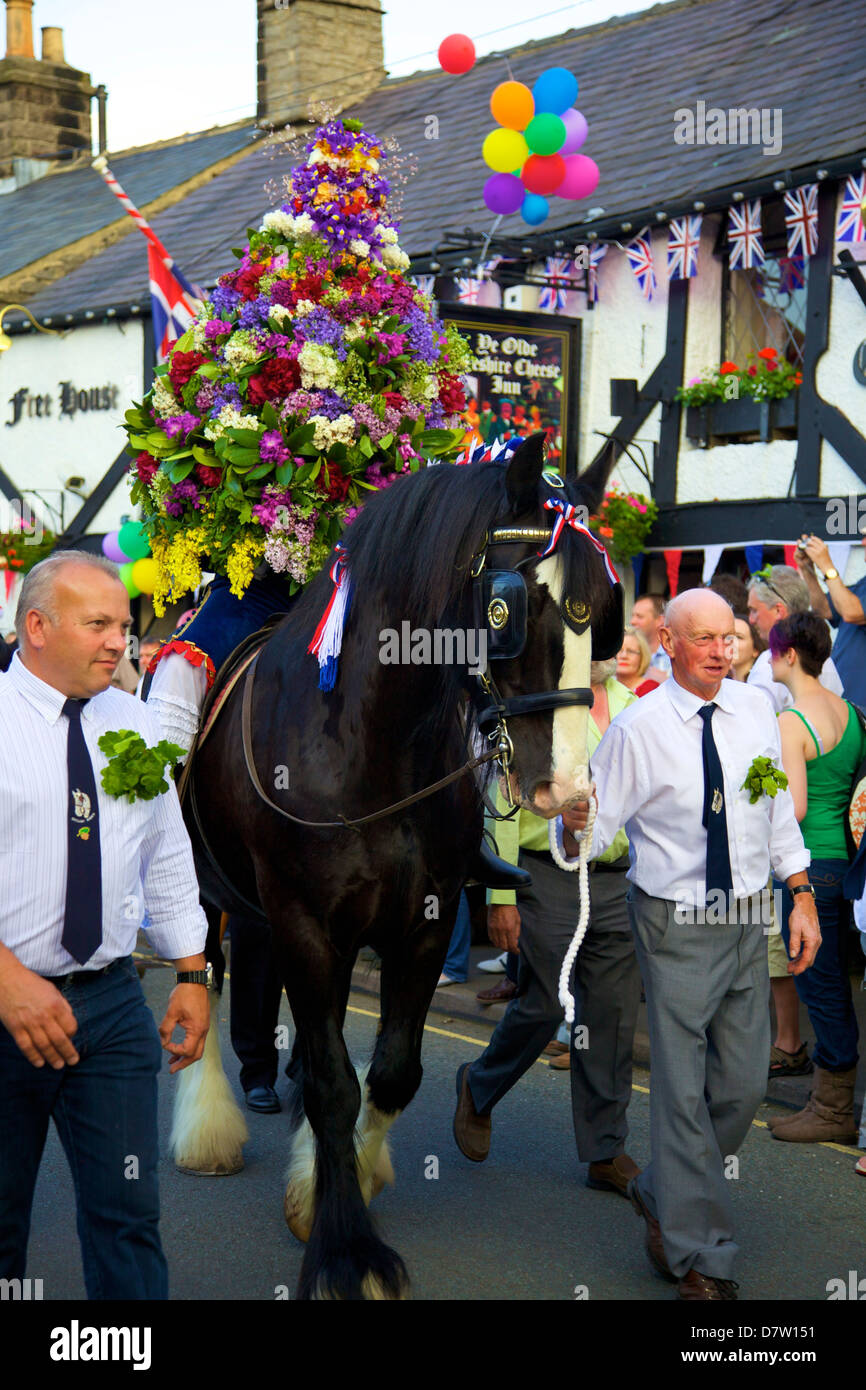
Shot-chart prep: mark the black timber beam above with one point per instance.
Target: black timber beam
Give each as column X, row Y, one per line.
column 9, row 490
column 807, row 466
column 741, row 522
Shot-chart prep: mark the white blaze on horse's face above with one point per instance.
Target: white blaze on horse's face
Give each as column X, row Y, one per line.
column 569, row 760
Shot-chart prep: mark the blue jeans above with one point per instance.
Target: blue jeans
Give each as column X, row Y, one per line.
column 457, row 961
column 825, row 988
column 104, row 1108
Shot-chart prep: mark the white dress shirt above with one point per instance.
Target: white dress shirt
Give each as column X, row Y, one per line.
column 145, row 850
column 176, row 696
column 780, row 697
column 648, row 771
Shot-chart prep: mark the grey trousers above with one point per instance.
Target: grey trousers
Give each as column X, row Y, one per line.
column 707, row 996
column 606, row 986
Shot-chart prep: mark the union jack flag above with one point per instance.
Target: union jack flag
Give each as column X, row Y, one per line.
column 425, row 283
column 597, row 254
column 486, row 453
column 554, row 294
column 792, row 273
column 850, row 226
column 467, row 290
column 172, row 300
column 640, row 258
column 801, row 219
column 744, row 236
column 683, row 242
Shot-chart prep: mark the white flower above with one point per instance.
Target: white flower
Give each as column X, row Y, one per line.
column 318, row 366
column 354, row 331
column 394, row 257
column 359, row 246
column 277, row 221
column 303, row 306
column 280, row 312
column 163, row 400
column 328, row 432
column 388, row 236
column 239, row 349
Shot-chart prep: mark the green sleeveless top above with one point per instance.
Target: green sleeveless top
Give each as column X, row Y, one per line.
column 829, row 779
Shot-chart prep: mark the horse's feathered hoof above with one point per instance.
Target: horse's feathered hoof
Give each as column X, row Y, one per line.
column 222, row 1170
column 296, row 1209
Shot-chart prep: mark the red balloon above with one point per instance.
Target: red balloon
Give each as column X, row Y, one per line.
column 543, row 173
column 456, row 54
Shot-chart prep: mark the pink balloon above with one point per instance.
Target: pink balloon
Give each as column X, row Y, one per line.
column 581, row 177
column 111, row 550
column 576, row 131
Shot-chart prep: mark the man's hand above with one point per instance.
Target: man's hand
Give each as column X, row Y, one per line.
column 503, row 926
column 574, row 817
column 189, row 1009
column 34, row 1011
column 805, row 933
column 817, row 552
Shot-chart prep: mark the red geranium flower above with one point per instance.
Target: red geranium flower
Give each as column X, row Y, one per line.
column 274, row 382
column 247, row 281
column 146, row 466
column 394, row 400
column 182, row 366
column 728, row 367
column 753, row 371
column 337, row 485
column 208, row 476
column 451, row 395
column 768, row 354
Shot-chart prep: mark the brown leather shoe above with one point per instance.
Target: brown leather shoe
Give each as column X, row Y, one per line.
column 499, row 994
column 654, row 1243
column 561, row 1063
column 695, row 1287
column 613, row 1174
column 555, row 1049
column 471, row 1130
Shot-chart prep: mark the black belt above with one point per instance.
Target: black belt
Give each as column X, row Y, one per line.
column 618, row 866
column 83, row 976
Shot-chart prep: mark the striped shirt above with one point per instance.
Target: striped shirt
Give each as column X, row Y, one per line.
column 146, row 855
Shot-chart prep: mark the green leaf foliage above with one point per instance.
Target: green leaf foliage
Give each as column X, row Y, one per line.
column 134, row 770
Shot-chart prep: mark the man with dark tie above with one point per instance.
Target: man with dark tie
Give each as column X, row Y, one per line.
column 78, row 868
column 671, row 769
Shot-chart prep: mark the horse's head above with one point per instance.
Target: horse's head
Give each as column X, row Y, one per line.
column 550, row 606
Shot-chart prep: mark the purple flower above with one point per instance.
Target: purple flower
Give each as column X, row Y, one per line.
column 253, row 312
column 180, row 493
column 216, row 328
column 331, row 404
column 224, row 300
column 272, row 449
column 180, row 424
column 205, row 396
column 321, row 327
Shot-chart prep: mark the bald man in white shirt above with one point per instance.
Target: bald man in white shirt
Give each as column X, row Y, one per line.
column 78, row 867
column 701, row 947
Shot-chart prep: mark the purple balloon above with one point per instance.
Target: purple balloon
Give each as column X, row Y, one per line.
column 111, row 550
column 581, row 177
column 504, row 193
column 576, row 131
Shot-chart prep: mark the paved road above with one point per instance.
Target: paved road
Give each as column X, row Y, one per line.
column 520, row 1226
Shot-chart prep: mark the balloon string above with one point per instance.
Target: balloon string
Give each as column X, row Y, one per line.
column 490, row 235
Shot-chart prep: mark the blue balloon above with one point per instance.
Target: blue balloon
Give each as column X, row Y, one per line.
column 555, row 91
column 535, row 209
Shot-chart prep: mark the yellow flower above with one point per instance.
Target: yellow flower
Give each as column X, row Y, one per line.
column 243, row 558
column 178, row 567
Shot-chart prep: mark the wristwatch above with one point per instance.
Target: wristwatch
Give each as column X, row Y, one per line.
column 831, row 573
column 803, row 888
column 193, row 977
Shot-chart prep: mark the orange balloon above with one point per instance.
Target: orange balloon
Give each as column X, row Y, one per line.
column 513, row 105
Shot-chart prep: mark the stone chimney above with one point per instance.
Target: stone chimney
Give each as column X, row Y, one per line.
column 44, row 103
column 313, row 51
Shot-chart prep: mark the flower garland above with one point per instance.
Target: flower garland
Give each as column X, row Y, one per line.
column 315, row 373
column 766, row 378
column 21, row 549
column 624, row 521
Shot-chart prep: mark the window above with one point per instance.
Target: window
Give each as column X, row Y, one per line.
column 766, row 307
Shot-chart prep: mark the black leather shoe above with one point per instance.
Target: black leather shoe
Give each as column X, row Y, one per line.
column 491, row 871
column 264, row 1099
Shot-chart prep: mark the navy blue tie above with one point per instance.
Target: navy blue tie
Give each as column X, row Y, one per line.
column 715, row 817
column 82, row 923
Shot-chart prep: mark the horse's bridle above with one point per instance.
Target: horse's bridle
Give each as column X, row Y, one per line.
column 493, row 589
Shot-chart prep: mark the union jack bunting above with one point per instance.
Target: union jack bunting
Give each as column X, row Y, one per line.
column 567, row 515
column 425, row 283
column 801, row 219
column 792, row 273
column 485, row 453
column 597, row 254
column 640, row 258
column 553, row 296
column 850, row 226
column 467, row 290
column 683, row 242
column 744, row 236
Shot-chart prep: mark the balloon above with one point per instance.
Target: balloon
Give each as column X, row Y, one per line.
column 581, row 177
column 544, row 173
column 535, row 209
column 144, row 575
column 133, row 540
column 126, row 576
column 504, row 150
column 503, row 193
column 512, row 105
column 110, row 548
column 576, row 131
column 457, row 54
column 555, row 90
column 546, row 133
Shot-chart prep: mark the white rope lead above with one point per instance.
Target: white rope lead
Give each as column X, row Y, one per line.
column 581, row 864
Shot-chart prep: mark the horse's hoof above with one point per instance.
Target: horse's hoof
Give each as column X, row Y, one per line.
column 222, row 1170
column 297, row 1219
column 378, row 1184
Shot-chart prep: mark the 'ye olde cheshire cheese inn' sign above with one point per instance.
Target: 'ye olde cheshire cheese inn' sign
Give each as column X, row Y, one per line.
column 68, row 401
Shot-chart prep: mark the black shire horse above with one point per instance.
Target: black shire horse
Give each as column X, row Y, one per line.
column 453, row 549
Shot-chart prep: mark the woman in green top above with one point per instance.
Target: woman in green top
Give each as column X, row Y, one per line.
column 823, row 744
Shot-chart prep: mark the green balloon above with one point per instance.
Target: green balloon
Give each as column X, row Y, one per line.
column 134, row 540
column 546, row 133
column 126, row 575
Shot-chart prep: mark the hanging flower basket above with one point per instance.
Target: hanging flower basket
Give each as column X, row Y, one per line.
column 315, row 374
column 623, row 522
column 20, row 550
